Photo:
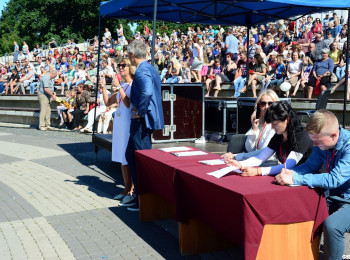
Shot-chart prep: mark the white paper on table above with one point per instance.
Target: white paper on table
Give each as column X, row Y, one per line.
column 175, row 149
column 224, row 171
column 213, row 162
column 294, row 185
column 191, row 153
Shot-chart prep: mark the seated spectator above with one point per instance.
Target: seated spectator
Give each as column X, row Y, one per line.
column 111, row 106
column 52, row 43
column 305, row 74
column 3, row 80
column 79, row 77
column 321, row 73
column 266, row 46
column 37, row 52
column 294, row 71
column 328, row 40
column 67, row 114
column 312, row 53
column 96, row 111
column 68, row 77
column 25, row 81
column 62, row 72
column 241, row 74
column 335, row 53
column 64, row 106
column 278, row 75
column 257, row 74
column 91, row 74
column 12, row 82
column 56, row 54
column 82, row 106
column 211, row 78
column 185, row 73
column 226, row 75
column 340, row 70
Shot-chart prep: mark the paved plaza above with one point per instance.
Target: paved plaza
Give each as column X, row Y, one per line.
column 56, row 203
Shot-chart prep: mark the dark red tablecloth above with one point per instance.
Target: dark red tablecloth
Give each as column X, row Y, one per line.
column 238, row 207
column 157, row 171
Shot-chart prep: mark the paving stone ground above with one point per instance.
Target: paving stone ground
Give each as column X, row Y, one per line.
column 56, row 203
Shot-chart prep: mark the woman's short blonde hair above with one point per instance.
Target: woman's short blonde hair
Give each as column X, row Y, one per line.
column 132, row 69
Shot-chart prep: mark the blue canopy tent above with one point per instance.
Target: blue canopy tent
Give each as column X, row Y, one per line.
column 223, row 12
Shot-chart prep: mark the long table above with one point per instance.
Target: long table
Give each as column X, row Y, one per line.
column 268, row 220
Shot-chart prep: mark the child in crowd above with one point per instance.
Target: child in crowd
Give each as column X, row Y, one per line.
column 305, row 74
column 211, row 78
column 67, row 114
column 64, row 106
column 277, row 78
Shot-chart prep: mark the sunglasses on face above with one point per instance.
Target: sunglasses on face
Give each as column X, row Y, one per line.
column 122, row 66
column 264, row 103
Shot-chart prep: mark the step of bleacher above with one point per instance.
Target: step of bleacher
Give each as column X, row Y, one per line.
column 228, row 90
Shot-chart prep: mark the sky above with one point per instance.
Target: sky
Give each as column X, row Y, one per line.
column 2, row 5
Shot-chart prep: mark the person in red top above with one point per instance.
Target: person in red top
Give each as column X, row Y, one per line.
column 291, row 26
column 56, row 54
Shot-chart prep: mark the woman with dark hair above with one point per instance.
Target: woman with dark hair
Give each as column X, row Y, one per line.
column 226, row 75
column 291, row 143
column 82, row 106
column 258, row 74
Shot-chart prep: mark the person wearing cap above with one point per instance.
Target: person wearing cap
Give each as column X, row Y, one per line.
column 325, row 21
column 321, row 72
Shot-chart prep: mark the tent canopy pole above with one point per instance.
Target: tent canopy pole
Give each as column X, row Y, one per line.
column 98, row 70
column 346, row 69
column 154, row 31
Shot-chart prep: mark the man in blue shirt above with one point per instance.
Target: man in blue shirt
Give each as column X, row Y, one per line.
column 231, row 44
column 331, row 149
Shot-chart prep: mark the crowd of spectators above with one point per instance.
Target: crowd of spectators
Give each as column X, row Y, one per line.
column 307, row 53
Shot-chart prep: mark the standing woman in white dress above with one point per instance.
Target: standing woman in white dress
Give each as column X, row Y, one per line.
column 121, row 126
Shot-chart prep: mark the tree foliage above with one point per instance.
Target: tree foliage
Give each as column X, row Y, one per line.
column 37, row 21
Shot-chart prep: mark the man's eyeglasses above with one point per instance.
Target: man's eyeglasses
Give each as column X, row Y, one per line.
column 122, row 66
column 264, row 103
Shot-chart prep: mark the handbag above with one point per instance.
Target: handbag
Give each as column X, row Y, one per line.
column 204, row 70
column 317, row 89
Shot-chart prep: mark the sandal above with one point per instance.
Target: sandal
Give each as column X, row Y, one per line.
column 242, row 91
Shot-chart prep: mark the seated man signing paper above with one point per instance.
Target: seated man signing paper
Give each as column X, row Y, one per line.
column 331, row 149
